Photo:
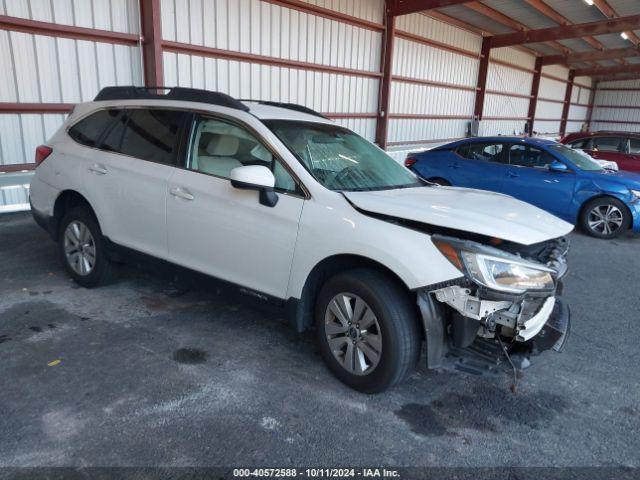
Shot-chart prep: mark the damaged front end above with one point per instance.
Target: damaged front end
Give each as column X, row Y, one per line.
column 505, row 309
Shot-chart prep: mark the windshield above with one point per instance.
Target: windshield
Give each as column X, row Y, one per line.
column 580, row 159
column 341, row 160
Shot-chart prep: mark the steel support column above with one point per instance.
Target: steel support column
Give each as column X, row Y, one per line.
column 385, row 83
column 481, row 84
column 567, row 103
column 151, row 43
column 592, row 99
column 535, row 89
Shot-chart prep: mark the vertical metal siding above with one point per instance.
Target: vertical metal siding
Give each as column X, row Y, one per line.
column 326, row 92
column 44, row 69
column 438, row 31
column 371, row 10
column 424, row 62
column 262, row 28
column 605, row 115
column 112, row 15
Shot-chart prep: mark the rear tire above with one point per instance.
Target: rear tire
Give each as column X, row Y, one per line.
column 82, row 248
column 374, row 341
column 605, row 217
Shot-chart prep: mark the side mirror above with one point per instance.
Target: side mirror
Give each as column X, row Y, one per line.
column 558, row 167
column 256, row 177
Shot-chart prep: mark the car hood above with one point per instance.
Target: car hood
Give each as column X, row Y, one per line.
column 475, row 211
column 628, row 179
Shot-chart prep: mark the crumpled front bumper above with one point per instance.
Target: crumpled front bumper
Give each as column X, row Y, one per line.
column 473, row 350
column 555, row 331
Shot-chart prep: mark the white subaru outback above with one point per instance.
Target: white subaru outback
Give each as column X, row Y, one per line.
column 287, row 205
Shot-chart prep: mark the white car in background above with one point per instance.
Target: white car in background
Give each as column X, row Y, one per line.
column 287, row 205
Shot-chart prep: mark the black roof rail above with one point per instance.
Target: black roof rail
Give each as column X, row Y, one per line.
column 175, row 93
column 289, row 106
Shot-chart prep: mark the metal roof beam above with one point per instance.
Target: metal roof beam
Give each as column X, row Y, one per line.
column 609, row 12
column 404, row 7
column 567, row 31
column 591, row 56
column 607, row 70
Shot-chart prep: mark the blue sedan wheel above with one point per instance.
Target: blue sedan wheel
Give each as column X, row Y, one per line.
column 605, row 217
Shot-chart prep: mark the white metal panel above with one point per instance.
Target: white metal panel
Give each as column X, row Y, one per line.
column 52, row 70
column 404, row 130
column 559, row 71
column 20, row 134
column 415, row 60
column 371, row 10
column 514, row 56
column 505, row 106
column 111, row 15
column 425, row 99
column 621, row 127
column 501, row 127
column 325, row 92
column 546, row 127
column 549, row 110
column 510, row 80
column 574, row 126
column 578, row 113
column 262, row 28
column 552, row 89
column 438, row 31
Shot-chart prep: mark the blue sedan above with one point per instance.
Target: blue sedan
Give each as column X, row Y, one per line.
column 552, row 176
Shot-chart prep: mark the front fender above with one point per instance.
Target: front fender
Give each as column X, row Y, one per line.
column 587, row 190
column 329, row 230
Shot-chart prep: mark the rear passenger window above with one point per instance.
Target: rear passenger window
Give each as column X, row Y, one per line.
column 634, row 146
column 607, row 144
column 486, row 152
column 152, row 135
column 88, row 130
column 581, row 144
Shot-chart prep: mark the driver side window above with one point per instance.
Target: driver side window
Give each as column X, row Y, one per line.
column 526, row 156
column 217, row 147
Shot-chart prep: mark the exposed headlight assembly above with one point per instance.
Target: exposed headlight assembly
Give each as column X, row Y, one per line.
column 493, row 268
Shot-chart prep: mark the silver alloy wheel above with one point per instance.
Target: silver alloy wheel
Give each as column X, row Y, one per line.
column 353, row 334
column 79, row 248
column 605, row 219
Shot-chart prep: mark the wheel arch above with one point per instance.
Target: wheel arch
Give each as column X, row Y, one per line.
column 300, row 311
column 68, row 199
column 598, row 196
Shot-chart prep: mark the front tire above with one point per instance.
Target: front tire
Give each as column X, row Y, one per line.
column 605, row 218
column 82, row 248
column 367, row 330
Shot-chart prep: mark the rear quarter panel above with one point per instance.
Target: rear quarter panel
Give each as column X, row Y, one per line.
column 433, row 163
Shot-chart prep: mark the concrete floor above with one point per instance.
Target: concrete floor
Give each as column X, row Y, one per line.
column 151, row 373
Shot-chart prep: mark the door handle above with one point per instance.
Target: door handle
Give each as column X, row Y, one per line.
column 455, row 165
column 512, row 174
column 181, row 193
column 98, row 168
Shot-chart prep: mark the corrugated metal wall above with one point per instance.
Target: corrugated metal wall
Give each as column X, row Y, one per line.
column 45, row 69
column 551, row 99
column 433, row 92
column 509, row 78
column 260, row 28
column 579, row 109
column 617, row 106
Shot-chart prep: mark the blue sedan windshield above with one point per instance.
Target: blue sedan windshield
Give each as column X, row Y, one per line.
column 579, row 159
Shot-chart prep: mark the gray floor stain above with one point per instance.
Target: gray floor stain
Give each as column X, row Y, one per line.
column 487, row 409
column 190, row 356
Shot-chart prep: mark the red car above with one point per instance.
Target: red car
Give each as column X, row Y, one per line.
column 620, row 147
